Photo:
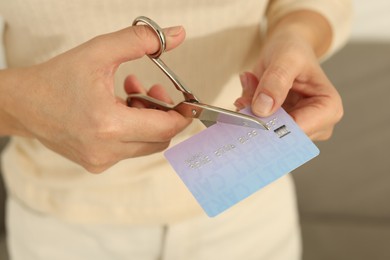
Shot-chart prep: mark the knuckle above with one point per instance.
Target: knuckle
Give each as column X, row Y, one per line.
column 141, row 32
column 94, row 170
column 145, row 38
column 326, row 135
column 322, row 135
column 340, row 113
column 95, row 148
column 96, row 162
column 95, row 153
column 338, row 109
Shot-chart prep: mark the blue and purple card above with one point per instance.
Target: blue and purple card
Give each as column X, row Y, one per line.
column 224, row 163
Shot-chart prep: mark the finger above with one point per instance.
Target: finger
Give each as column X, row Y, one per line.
column 150, row 125
column 158, row 91
column 134, row 42
column 317, row 116
column 137, row 149
column 273, row 88
column 118, row 152
column 249, row 83
column 291, row 101
column 323, row 135
column 132, row 85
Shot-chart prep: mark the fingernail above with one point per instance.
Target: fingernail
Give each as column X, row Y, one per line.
column 263, row 104
column 243, row 80
column 173, row 31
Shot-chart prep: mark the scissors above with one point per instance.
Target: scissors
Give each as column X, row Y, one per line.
column 191, row 107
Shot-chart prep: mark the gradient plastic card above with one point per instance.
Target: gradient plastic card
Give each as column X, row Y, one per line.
column 225, row 163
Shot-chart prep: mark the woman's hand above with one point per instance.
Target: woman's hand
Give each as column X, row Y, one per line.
column 68, row 102
column 288, row 74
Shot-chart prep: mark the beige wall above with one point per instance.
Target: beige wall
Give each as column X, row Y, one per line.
column 372, row 20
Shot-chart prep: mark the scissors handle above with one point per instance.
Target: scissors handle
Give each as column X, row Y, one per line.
column 155, row 57
column 191, row 107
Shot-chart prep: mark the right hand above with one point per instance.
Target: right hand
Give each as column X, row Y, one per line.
column 68, row 103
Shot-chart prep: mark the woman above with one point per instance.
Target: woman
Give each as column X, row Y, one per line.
column 63, row 103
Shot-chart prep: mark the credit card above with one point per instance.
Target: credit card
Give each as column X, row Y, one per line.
column 225, row 164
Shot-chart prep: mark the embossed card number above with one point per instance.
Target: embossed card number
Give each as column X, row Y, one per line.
column 198, row 160
column 224, row 164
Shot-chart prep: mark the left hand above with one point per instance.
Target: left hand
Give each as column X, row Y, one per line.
column 288, row 74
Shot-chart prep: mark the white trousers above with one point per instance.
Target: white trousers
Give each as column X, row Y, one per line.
column 243, row 232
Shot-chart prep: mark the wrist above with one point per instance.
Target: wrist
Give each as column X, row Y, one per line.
column 309, row 26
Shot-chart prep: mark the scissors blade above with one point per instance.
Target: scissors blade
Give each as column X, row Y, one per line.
column 210, row 115
column 207, row 114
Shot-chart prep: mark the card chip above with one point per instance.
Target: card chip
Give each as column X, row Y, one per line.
column 282, row 131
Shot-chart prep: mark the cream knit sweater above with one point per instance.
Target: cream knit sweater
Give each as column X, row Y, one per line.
column 223, row 39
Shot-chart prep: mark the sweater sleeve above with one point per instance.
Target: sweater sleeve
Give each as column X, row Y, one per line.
column 337, row 12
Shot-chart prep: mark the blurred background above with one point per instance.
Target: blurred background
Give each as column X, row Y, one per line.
column 343, row 194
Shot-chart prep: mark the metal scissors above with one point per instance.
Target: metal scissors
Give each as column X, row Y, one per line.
column 191, row 106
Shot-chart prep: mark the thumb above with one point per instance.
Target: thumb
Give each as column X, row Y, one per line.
column 272, row 90
column 134, row 42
